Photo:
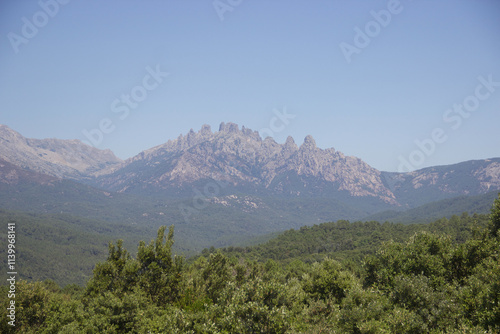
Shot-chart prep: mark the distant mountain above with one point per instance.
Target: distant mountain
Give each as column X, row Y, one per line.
column 240, row 161
column 427, row 185
column 216, row 186
column 245, row 163
column 70, row 159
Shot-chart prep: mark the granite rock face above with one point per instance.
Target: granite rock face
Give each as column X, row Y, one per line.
column 243, row 159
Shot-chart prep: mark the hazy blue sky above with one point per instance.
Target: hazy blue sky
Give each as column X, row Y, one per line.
column 367, row 84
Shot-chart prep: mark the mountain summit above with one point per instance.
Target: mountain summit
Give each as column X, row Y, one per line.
column 239, row 161
column 248, row 163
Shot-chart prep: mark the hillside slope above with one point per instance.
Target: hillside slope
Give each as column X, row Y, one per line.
column 56, row 157
column 443, row 208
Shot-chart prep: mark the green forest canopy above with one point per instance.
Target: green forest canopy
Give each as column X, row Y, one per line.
column 430, row 282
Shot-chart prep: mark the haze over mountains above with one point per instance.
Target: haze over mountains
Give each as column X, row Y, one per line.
column 239, row 161
column 219, row 188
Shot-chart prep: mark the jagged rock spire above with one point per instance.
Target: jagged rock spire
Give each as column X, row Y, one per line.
column 206, row 130
column 290, row 144
column 309, row 143
column 229, row 127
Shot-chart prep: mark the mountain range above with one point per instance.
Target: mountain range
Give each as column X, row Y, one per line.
column 240, row 160
column 219, row 188
column 249, row 164
column 232, row 176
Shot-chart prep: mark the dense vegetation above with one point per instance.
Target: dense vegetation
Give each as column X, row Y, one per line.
column 65, row 247
column 200, row 221
column 61, row 247
column 349, row 242
column 432, row 282
column 435, row 210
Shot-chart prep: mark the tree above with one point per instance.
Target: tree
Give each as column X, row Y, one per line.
column 216, row 275
column 154, row 271
column 328, row 280
column 424, row 254
column 160, row 274
column 118, row 274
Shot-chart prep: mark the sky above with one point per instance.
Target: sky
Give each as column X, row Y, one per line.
column 400, row 84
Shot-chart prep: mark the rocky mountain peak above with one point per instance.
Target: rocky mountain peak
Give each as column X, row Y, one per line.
column 243, row 159
column 229, row 127
column 290, row 144
column 309, row 143
column 250, row 133
column 205, row 130
column 191, row 138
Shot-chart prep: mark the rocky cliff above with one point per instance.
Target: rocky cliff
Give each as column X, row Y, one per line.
column 244, row 160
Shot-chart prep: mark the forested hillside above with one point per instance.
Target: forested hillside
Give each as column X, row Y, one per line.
column 61, row 247
column 345, row 241
column 445, row 279
column 436, row 210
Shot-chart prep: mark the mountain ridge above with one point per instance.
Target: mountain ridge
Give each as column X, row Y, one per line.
column 238, row 161
column 227, row 185
column 242, row 158
column 55, row 157
column 248, row 163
